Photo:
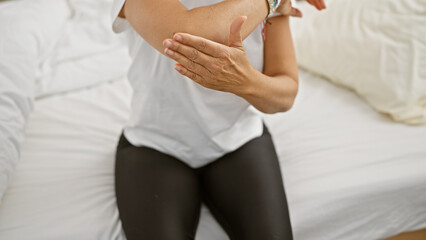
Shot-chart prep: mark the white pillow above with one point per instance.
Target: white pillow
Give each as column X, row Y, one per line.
column 88, row 52
column 377, row 48
column 28, row 31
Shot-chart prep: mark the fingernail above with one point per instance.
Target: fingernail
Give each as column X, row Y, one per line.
column 178, row 68
column 178, row 37
column 169, row 52
column 167, row 43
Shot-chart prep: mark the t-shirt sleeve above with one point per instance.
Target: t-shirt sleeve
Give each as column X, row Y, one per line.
column 118, row 24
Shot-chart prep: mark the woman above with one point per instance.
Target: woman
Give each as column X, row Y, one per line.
column 197, row 139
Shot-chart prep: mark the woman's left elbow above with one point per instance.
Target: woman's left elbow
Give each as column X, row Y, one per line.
column 287, row 105
column 283, row 106
column 288, row 101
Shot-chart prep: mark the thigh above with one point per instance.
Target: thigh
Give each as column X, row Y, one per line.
column 158, row 196
column 244, row 191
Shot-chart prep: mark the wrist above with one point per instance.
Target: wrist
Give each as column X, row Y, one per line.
column 251, row 81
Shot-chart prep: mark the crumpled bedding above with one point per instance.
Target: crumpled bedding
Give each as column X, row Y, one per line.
column 27, row 36
column 49, row 47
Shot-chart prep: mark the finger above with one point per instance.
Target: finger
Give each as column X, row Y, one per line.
column 313, row 3
column 296, row 13
column 189, row 52
column 323, row 4
column 320, row 4
column 187, row 63
column 184, row 71
column 201, row 44
column 235, row 39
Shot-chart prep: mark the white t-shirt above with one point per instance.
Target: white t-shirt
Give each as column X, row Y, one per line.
column 176, row 116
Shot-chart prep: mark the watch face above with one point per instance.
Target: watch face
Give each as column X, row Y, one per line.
column 273, row 5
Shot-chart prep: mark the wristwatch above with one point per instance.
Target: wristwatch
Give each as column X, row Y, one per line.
column 273, row 5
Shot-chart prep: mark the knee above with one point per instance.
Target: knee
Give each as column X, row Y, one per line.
column 281, row 234
column 270, row 232
column 164, row 234
column 158, row 229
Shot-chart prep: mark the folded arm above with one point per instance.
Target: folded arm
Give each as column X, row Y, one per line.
column 227, row 68
column 160, row 19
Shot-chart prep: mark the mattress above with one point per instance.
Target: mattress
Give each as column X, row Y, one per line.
column 349, row 172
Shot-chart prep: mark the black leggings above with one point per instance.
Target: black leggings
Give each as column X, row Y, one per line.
column 159, row 197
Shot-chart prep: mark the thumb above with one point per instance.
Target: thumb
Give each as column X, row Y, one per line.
column 235, row 39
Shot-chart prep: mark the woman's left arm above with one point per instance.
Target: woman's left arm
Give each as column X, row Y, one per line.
column 276, row 88
column 227, row 68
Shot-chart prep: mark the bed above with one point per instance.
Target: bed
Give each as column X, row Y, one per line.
column 349, row 171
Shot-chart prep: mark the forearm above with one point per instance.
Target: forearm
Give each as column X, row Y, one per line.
column 279, row 54
column 270, row 94
column 275, row 89
column 158, row 20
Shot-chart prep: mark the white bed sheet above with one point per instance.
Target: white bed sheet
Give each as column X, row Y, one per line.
column 349, row 172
